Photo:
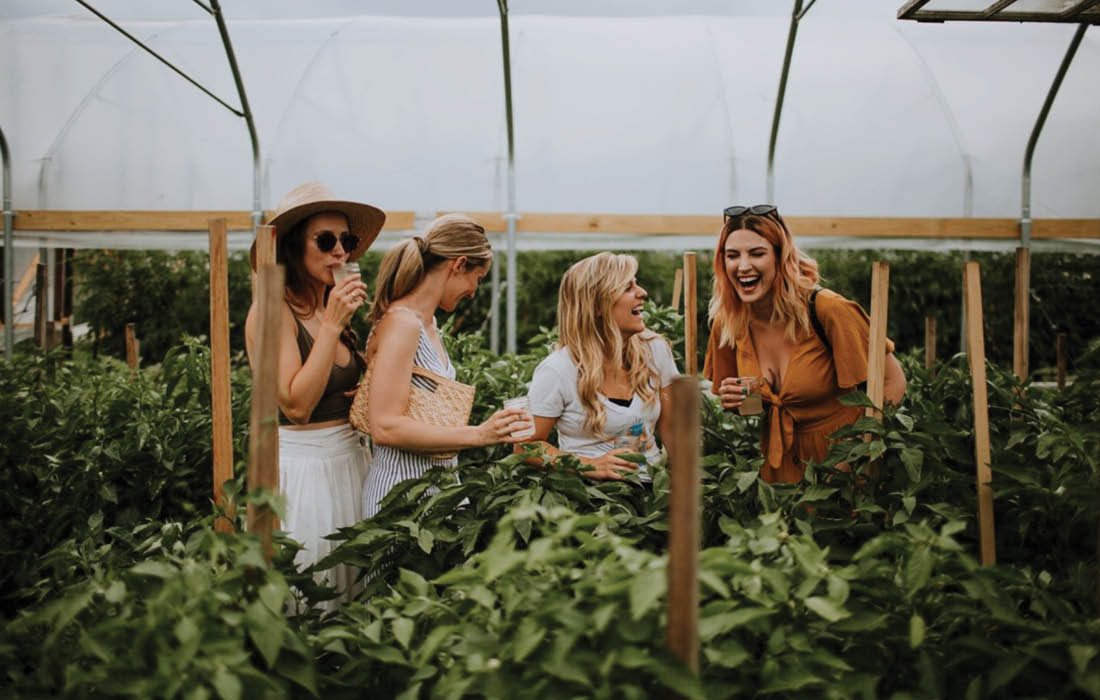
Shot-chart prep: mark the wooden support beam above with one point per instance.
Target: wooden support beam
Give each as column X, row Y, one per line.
column 25, row 282
column 691, row 317
column 220, row 405
column 602, row 223
column 975, row 348
column 265, row 251
column 677, row 287
column 263, row 445
column 1022, row 314
column 930, row 343
column 133, row 347
column 685, row 489
column 876, row 354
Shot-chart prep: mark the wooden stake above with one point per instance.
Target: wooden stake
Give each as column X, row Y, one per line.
column 930, row 343
column 677, row 287
column 41, row 299
column 975, row 348
column 1022, row 314
column 690, row 316
column 685, row 488
column 263, row 445
column 1060, row 354
column 29, row 275
column 876, row 354
column 221, row 409
column 265, row 251
column 133, row 347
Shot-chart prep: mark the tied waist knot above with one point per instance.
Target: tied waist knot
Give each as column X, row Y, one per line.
column 780, row 430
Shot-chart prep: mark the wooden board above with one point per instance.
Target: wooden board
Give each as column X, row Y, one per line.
column 74, row 220
column 1022, row 313
column 263, row 444
column 876, row 355
column 691, row 350
column 685, row 493
column 220, row 405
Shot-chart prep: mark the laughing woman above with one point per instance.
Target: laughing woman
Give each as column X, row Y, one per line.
column 603, row 389
column 762, row 314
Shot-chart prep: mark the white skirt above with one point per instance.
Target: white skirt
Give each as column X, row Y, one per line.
column 321, row 473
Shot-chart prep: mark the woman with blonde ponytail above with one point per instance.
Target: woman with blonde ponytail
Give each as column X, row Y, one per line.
column 603, row 388
column 416, row 278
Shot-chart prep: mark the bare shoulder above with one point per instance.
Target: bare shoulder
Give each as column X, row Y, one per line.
column 397, row 331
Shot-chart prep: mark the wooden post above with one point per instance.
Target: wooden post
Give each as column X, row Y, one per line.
column 221, row 409
column 265, row 251
column 876, row 354
column 677, row 287
column 930, row 343
column 1023, row 313
column 685, row 488
column 1060, row 357
column 133, row 347
column 975, row 348
column 690, row 320
column 41, row 299
column 263, row 444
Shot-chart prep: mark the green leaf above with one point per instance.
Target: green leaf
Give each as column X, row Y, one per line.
column 746, row 481
column 826, row 608
column 403, row 630
column 411, row 583
column 227, row 684
column 918, row 568
column 265, row 630
column 426, row 539
column 913, row 459
column 916, row 631
column 157, row 569
column 273, row 594
column 186, row 631
column 715, row 625
column 529, row 635
column 646, row 589
column 1082, row 654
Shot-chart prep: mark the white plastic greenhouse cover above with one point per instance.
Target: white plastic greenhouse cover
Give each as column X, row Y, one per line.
column 626, row 107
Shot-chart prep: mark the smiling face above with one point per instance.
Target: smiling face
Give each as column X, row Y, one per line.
column 750, row 264
column 626, row 311
column 319, row 264
column 463, row 281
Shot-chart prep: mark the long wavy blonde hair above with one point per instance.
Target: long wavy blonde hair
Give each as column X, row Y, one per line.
column 589, row 290
column 403, row 267
column 795, row 277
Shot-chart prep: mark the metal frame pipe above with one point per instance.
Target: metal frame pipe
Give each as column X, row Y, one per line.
column 9, row 252
column 1033, row 140
column 796, row 15
column 510, row 216
column 246, row 112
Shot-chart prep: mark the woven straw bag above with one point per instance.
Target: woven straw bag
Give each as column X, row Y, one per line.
column 446, row 404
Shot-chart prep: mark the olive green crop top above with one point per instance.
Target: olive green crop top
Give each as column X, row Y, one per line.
column 333, row 403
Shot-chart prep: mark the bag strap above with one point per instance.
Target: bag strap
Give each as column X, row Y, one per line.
column 818, row 328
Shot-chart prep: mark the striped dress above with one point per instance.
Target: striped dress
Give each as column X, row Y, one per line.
column 392, row 465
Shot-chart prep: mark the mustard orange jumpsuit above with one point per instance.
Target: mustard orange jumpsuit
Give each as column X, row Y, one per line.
column 805, row 409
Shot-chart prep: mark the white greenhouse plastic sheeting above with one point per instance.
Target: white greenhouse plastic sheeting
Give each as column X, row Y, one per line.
column 647, row 113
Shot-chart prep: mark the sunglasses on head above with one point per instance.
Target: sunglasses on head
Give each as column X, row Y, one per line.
column 756, row 209
column 326, row 241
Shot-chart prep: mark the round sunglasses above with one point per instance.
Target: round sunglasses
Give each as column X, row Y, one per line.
column 326, row 241
column 756, row 209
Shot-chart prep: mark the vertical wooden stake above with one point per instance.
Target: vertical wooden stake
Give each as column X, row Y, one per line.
column 876, row 354
column 975, row 348
column 133, row 347
column 1022, row 314
column 221, row 409
column 265, row 251
column 690, row 316
column 685, row 488
column 41, row 305
column 930, row 343
column 263, row 444
column 1060, row 357
column 677, row 287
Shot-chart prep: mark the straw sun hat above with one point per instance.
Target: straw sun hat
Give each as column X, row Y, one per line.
column 312, row 198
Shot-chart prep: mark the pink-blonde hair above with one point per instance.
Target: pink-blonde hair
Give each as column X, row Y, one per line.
column 795, row 277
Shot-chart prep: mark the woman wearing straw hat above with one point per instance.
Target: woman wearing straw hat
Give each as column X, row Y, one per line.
column 322, row 462
column 416, row 278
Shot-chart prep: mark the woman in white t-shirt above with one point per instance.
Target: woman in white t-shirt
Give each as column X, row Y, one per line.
column 603, row 388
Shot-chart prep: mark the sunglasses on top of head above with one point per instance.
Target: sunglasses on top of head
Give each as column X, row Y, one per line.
column 326, row 241
column 756, row 209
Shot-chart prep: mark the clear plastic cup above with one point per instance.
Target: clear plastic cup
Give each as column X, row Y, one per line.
column 753, row 404
column 341, row 272
column 521, row 402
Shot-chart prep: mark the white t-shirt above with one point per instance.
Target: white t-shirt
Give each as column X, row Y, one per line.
column 553, row 394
